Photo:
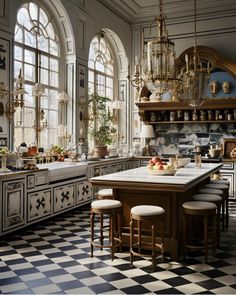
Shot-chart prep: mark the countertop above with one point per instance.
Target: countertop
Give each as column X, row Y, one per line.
column 183, row 179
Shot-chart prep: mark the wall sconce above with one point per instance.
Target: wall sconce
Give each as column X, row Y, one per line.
column 18, row 97
column 63, row 97
column 147, row 132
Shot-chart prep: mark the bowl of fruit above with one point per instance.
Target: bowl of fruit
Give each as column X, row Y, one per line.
column 157, row 167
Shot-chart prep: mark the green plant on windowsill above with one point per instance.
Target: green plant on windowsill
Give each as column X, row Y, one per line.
column 101, row 122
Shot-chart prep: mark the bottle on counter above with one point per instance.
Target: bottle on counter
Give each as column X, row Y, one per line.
column 198, row 157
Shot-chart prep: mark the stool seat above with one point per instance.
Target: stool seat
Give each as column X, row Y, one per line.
column 106, row 192
column 219, row 186
column 207, row 197
column 113, row 209
column 199, row 205
column 213, row 191
column 106, row 204
column 220, row 181
column 147, row 210
column 154, row 216
column 192, row 211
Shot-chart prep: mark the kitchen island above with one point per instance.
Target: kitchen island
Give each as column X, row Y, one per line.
column 136, row 187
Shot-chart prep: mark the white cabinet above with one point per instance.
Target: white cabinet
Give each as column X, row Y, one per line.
column 228, row 172
column 13, row 199
column 64, row 196
column 39, row 204
column 84, row 191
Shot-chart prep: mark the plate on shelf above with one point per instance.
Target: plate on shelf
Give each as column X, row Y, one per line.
column 161, row 172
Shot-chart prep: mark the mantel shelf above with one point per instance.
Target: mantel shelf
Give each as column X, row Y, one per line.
column 211, row 103
column 192, row 122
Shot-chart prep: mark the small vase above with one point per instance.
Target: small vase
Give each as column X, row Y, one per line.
column 4, row 168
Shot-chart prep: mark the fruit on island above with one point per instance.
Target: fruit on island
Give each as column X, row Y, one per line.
column 157, row 164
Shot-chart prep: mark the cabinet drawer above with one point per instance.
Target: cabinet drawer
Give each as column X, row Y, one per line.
column 64, row 197
column 41, row 178
column 39, row 204
column 227, row 166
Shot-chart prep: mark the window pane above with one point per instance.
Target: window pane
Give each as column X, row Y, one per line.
column 52, row 99
column 30, row 39
column 29, row 72
column 52, row 118
column 50, row 31
column 29, row 117
column 29, row 57
column 54, row 79
column 44, row 76
column 109, row 92
column 18, row 136
column 44, row 99
column 17, row 67
column 91, row 64
column 18, row 35
column 43, row 17
column 91, row 87
column 54, row 48
column 100, row 79
column 29, row 98
column 29, row 135
column 33, row 9
column 44, row 61
column 42, row 43
column 109, row 82
column 18, row 53
column 91, row 76
column 54, row 64
column 99, row 66
column 23, row 18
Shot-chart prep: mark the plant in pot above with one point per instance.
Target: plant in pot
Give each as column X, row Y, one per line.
column 101, row 124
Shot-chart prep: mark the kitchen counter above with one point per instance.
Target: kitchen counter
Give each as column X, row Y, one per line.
column 137, row 187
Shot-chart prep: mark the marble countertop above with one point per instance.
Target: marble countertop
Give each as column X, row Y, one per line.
column 184, row 177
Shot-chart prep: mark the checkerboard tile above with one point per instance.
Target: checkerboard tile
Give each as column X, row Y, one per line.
column 53, row 257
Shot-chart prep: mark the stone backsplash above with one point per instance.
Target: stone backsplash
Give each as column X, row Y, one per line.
column 183, row 138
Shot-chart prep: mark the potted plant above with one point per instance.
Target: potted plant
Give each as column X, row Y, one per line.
column 101, row 127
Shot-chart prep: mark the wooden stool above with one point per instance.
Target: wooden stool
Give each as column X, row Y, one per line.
column 113, row 209
column 155, row 215
column 220, row 181
column 205, row 210
column 214, row 192
column 106, row 193
column 213, row 198
column 225, row 201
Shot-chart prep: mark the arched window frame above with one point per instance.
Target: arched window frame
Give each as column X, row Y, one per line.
column 44, row 64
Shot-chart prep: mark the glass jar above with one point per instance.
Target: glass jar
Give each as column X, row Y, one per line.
column 186, row 116
column 202, row 115
column 198, row 160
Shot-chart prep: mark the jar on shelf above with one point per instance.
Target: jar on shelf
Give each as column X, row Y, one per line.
column 172, row 116
column 186, row 116
column 153, row 117
column 179, row 115
column 202, row 115
column 217, row 113
column 194, row 116
column 210, row 115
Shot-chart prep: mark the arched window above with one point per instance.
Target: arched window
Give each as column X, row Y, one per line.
column 36, row 54
column 101, row 69
column 101, row 82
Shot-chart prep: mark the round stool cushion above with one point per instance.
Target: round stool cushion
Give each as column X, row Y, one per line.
column 106, row 204
column 207, row 198
column 220, row 181
column 213, row 191
column 216, row 185
column 199, row 205
column 106, row 192
column 147, row 210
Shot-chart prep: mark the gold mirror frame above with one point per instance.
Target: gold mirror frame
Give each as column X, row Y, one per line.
column 214, row 57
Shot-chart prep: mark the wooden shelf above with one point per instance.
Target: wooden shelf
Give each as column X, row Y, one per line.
column 192, row 122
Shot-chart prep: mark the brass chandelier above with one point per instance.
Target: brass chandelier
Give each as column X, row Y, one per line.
column 159, row 70
column 196, row 73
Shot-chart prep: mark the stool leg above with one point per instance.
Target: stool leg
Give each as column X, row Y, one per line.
column 131, row 241
column 92, row 232
column 153, row 247
column 184, row 233
column 101, row 231
column 223, row 213
column 214, row 233
column 119, row 230
column 139, row 236
column 227, row 209
column 218, row 224
column 112, row 237
column 206, row 237
column 162, row 239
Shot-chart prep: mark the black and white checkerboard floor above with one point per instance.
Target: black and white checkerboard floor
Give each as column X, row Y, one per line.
column 54, row 258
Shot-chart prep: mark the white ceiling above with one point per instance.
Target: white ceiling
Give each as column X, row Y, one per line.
column 137, row 11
